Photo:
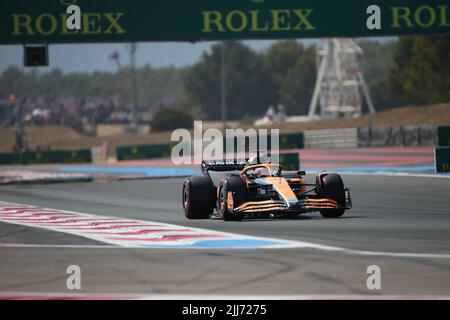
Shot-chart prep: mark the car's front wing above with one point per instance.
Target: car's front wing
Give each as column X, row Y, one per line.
column 308, row 204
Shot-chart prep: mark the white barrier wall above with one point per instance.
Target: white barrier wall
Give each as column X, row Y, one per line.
column 336, row 138
column 420, row 135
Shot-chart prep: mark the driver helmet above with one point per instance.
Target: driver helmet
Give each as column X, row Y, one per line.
column 258, row 172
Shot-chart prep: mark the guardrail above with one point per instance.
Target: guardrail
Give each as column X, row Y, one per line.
column 46, row 157
column 139, row 152
column 290, row 161
column 420, row 135
column 442, row 152
column 442, row 159
column 292, row 141
column 151, row 151
column 443, row 136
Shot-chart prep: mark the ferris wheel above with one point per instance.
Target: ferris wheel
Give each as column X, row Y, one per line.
column 340, row 86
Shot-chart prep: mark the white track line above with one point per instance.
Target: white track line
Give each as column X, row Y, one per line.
column 396, row 174
column 281, row 243
column 215, row 297
column 86, row 225
column 294, row 244
column 383, row 173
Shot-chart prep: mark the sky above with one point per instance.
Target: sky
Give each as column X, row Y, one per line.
column 90, row 57
column 95, row 57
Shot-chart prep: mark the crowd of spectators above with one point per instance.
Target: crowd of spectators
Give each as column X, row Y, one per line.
column 67, row 110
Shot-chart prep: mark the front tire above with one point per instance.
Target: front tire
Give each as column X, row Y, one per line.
column 236, row 186
column 332, row 187
column 199, row 196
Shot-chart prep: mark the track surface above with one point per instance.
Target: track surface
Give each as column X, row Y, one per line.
column 391, row 214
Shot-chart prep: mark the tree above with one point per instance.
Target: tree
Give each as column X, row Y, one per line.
column 293, row 69
column 249, row 88
column 298, row 85
column 171, row 118
column 422, row 66
column 376, row 63
column 159, row 84
column 279, row 60
column 377, row 59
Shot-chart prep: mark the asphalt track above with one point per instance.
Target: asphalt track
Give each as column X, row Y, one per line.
column 401, row 224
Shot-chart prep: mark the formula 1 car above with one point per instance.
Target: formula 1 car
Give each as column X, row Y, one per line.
column 261, row 189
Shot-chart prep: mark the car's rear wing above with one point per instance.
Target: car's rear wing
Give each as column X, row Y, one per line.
column 223, row 165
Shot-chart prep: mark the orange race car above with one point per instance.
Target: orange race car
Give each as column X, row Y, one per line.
column 261, row 189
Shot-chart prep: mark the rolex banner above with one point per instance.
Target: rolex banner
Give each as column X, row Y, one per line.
column 50, row 21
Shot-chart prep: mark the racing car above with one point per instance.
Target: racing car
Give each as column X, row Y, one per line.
column 258, row 189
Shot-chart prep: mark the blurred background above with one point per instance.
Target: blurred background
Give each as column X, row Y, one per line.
column 115, row 94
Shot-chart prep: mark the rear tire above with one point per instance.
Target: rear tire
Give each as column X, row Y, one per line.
column 237, row 186
column 199, row 196
column 332, row 187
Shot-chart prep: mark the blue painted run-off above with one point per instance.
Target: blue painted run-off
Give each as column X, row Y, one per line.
column 120, row 171
column 376, row 169
column 224, row 244
column 385, row 169
column 183, row 171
